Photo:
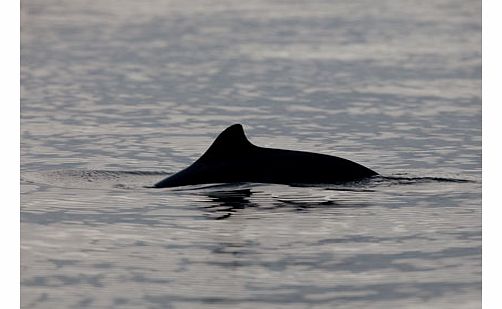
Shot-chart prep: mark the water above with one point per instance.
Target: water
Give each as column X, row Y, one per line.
column 117, row 95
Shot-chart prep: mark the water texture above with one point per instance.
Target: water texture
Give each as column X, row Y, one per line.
column 116, row 95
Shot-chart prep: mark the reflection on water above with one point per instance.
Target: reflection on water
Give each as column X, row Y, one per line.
column 228, row 202
column 116, row 97
column 278, row 245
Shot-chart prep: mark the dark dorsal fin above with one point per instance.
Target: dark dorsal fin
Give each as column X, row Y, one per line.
column 229, row 143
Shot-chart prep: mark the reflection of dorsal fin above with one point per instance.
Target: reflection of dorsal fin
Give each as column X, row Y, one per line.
column 230, row 142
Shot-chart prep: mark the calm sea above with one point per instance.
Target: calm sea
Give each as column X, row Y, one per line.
column 116, row 95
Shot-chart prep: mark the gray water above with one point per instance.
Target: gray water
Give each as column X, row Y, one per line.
column 116, row 95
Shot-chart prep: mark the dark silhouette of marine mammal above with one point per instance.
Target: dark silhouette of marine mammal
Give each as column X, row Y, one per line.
column 232, row 158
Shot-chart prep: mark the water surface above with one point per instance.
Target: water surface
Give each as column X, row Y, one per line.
column 117, row 95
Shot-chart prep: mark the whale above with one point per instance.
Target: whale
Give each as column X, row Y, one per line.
column 232, row 158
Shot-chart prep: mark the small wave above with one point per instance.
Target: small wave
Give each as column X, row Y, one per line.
column 129, row 180
column 93, row 179
column 417, row 180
